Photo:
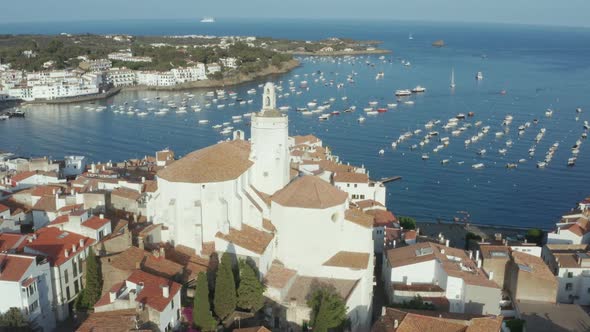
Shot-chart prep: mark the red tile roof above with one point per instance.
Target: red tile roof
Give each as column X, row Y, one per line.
column 4, row 208
column 13, row 267
column 151, row 294
column 96, row 222
column 60, row 220
column 11, row 241
column 22, row 176
column 46, row 203
column 54, row 243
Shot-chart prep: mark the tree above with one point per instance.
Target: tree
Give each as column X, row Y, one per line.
column 93, row 285
column 407, row 222
column 250, row 290
column 535, row 235
column 14, row 318
column 327, row 309
column 202, row 317
column 224, row 301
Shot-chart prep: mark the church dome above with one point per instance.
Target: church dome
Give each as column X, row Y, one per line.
column 310, row 192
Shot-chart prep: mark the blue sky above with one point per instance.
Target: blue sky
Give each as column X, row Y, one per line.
column 542, row 12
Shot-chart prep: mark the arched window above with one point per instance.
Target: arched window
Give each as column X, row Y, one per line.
column 267, row 101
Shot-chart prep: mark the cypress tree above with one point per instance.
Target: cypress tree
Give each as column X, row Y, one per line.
column 250, row 290
column 202, row 316
column 327, row 309
column 224, row 301
column 93, row 285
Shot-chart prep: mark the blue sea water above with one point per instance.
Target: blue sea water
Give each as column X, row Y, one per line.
column 539, row 67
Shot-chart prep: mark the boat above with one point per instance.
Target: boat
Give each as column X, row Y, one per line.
column 511, row 165
column 418, row 89
column 208, row 20
column 460, row 116
column 425, row 156
column 381, row 152
column 392, row 105
column 438, row 43
column 203, row 121
column 361, row 119
column 373, row 103
column 579, row 110
column 382, row 110
column 324, row 117
column 571, row 161
column 4, row 117
column 549, row 112
column 502, row 151
column 409, row 102
column 217, row 126
column 541, row 164
column 410, row 37
column 477, row 166
column 444, row 161
column 481, row 152
column 479, row 76
column 403, row 92
column 453, row 78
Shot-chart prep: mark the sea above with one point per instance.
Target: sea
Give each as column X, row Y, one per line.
column 526, row 70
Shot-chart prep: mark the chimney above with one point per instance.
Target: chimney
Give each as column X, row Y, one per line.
column 442, row 251
column 394, row 243
column 395, row 323
column 73, row 248
column 112, row 296
column 81, row 243
column 383, row 310
column 491, row 275
column 143, row 179
column 447, row 243
column 477, row 255
column 479, row 263
column 470, row 255
column 66, row 253
column 101, row 216
column 162, row 252
column 93, row 168
column 166, row 291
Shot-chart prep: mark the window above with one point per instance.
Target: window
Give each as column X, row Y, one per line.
column 33, row 306
column 75, row 268
column 569, row 286
column 570, row 275
column 588, row 290
column 172, row 304
column 348, row 184
column 76, row 287
column 355, row 185
column 68, row 293
column 66, row 277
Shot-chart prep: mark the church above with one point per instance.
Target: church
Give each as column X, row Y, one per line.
column 277, row 201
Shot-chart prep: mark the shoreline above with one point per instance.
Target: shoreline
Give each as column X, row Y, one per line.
column 236, row 80
column 342, row 53
column 73, row 100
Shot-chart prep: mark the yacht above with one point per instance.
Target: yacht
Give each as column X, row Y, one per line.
column 477, row 166
column 453, row 78
column 208, row 20
column 403, row 92
column 418, row 89
column 479, row 76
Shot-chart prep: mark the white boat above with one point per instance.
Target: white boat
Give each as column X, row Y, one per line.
column 410, row 37
column 481, row 152
column 361, row 119
column 403, row 92
column 203, row 121
column 208, row 20
column 392, row 105
column 479, row 76
column 477, row 166
column 217, row 126
column 381, row 152
column 541, row 164
column 324, row 117
column 373, row 103
column 444, row 161
column 453, row 78
column 425, row 156
column 549, row 112
column 409, row 102
column 502, row 151
column 142, row 113
column 418, row 89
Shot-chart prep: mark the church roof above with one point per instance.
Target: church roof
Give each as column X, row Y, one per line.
column 217, row 163
column 310, row 192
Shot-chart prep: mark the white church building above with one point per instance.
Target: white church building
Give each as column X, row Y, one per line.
column 243, row 197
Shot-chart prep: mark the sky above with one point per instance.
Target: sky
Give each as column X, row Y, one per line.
column 535, row 12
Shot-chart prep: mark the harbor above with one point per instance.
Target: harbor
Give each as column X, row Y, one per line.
column 478, row 144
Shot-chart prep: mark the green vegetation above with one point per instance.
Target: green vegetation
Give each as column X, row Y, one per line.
column 202, row 316
column 250, row 290
column 93, row 285
column 14, row 320
column 535, row 235
column 515, row 325
column 417, row 303
column 328, row 309
column 225, row 288
column 407, row 222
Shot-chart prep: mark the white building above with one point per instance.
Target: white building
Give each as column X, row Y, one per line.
column 127, row 56
column 189, row 74
column 121, row 77
column 25, row 283
column 81, row 222
column 74, row 165
column 573, row 228
column 220, row 197
column 157, row 296
column 155, row 78
column 66, row 253
column 96, row 66
column 570, row 263
column 229, row 62
column 444, row 276
column 213, row 68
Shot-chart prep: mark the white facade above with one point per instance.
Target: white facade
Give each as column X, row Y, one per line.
column 155, row 78
column 31, row 291
column 74, row 165
column 121, row 77
column 573, row 274
column 270, row 145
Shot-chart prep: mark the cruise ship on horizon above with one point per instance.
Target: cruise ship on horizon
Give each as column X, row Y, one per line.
column 208, row 20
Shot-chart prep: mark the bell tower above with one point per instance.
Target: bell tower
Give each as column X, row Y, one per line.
column 270, row 145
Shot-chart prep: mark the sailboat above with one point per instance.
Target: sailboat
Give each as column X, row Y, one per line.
column 410, row 37
column 453, row 78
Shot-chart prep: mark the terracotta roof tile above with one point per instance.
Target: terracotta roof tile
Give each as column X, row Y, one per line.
column 217, row 163
column 278, row 275
column 310, row 192
column 22, row 176
column 46, row 203
column 96, row 222
column 13, row 267
column 151, row 294
column 3, row 208
column 538, row 267
column 349, row 259
column 126, row 193
column 350, row 177
column 11, row 242
column 248, row 238
column 359, row 217
column 110, row 321
column 381, row 217
column 268, row 225
column 150, row 186
column 367, row 203
column 300, row 139
column 54, row 242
